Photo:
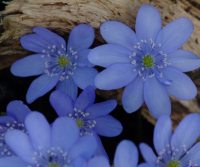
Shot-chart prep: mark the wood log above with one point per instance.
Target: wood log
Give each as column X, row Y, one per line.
column 61, row 15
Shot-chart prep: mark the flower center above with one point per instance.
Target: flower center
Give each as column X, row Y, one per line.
column 173, row 163
column 83, row 122
column 148, row 61
column 53, row 165
column 52, row 157
column 63, row 61
column 80, row 123
column 60, row 61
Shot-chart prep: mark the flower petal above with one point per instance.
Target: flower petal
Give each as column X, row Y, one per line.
column 156, row 98
column 85, row 99
column 146, row 165
column 148, row 22
column 192, row 156
column 22, row 66
column 64, row 133
column 133, row 96
column 108, row 126
column 18, row 110
column 5, row 119
column 183, row 141
column 126, row 155
column 62, row 104
column 83, row 58
column 68, row 87
column 40, row 86
column 50, row 36
column 175, row 34
column 182, row 86
column 162, row 133
column 147, row 153
column 81, row 37
column 98, row 161
column 115, row 32
column 101, row 109
column 81, row 147
column 39, row 130
column 20, row 144
column 84, row 76
column 184, row 60
column 109, row 54
column 13, row 162
column 79, row 162
column 100, row 150
column 34, row 43
column 115, row 76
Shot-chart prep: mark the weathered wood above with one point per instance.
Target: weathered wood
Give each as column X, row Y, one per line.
column 61, row 15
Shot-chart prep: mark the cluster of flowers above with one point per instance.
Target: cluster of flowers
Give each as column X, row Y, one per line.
column 148, row 63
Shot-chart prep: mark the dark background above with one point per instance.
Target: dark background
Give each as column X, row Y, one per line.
column 2, row 4
column 136, row 128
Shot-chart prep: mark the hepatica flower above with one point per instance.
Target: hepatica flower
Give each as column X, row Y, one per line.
column 178, row 149
column 58, row 145
column 149, row 63
column 126, row 155
column 14, row 119
column 91, row 118
column 58, row 64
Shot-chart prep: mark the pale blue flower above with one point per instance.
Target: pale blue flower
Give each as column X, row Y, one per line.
column 44, row 145
column 149, row 63
column 14, row 119
column 178, row 149
column 92, row 118
column 64, row 66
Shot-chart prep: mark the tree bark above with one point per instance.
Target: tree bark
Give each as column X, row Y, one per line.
column 61, row 15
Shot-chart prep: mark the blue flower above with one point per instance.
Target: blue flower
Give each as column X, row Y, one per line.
column 92, row 119
column 58, row 145
column 148, row 63
column 14, row 119
column 65, row 67
column 178, row 149
column 126, row 156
